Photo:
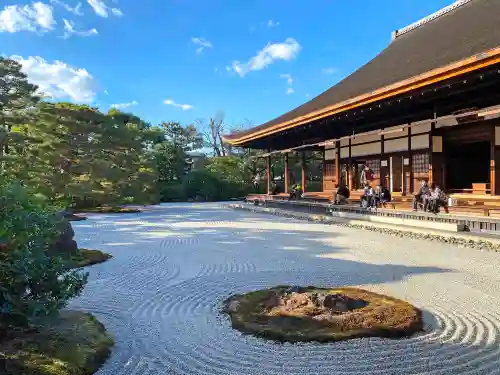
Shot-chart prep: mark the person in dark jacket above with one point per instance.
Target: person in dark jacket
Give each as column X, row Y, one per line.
column 382, row 195
column 437, row 198
column 274, row 188
column 341, row 194
column 421, row 197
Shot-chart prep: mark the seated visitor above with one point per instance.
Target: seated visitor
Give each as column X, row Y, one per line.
column 437, row 199
column 274, row 188
column 341, row 194
column 382, row 195
column 367, row 199
column 296, row 192
column 421, row 197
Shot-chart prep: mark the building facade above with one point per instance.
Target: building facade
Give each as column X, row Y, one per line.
column 426, row 108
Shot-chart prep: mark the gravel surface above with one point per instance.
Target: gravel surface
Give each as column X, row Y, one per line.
column 174, row 264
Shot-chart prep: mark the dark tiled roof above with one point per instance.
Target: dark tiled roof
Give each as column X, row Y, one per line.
column 463, row 32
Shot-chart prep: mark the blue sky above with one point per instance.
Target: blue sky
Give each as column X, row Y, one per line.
column 184, row 60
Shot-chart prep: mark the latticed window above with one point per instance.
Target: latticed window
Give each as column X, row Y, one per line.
column 329, row 168
column 374, row 166
column 420, row 163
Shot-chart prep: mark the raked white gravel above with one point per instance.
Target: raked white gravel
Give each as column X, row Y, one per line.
column 174, row 264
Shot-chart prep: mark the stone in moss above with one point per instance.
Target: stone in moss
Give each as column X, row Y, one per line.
column 296, row 314
column 86, row 257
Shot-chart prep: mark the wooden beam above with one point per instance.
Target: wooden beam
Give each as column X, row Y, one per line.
column 337, row 163
column 303, row 170
column 286, row 173
column 493, row 185
column 268, row 173
column 349, row 168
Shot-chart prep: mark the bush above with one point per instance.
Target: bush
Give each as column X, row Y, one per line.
column 34, row 283
column 203, row 185
column 173, row 193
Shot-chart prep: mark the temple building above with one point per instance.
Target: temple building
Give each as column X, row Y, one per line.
column 427, row 107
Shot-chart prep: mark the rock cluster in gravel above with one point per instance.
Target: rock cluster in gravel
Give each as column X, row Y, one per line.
column 302, row 314
column 323, row 219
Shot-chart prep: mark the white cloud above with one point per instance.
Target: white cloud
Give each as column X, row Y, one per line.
column 289, row 81
column 59, row 80
column 185, row 107
column 308, row 95
column 102, row 9
column 76, row 10
column 286, row 51
column 330, row 70
column 117, row 12
column 36, row 17
column 288, row 78
column 272, row 23
column 202, row 43
column 124, row 105
column 69, row 29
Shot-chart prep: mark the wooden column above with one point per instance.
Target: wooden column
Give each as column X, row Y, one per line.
column 431, row 177
column 436, row 158
column 337, row 163
column 268, row 173
column 286, row 173
column 408, row 169
column 494, row 162
column 303, row 170
column 349, row 169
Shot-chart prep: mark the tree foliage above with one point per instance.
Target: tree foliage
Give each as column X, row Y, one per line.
column 73, row 154
column 78, row 155
column 34, row 283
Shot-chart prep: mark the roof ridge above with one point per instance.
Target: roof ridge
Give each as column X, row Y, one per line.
column 429, row 18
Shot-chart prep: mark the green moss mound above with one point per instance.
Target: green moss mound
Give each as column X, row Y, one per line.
column 109, row 210
column 86, row 257
column 73, row 344
column 302, row 314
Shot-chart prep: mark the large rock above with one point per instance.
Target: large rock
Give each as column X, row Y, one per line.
column 64, row 244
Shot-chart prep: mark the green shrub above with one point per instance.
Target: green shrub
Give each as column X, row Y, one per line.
column 34, row 284
column 203, row 185
column 173, row 193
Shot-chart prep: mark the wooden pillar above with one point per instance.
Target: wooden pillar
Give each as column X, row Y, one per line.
column 286, row 173
column 337, row 163
column 494, row 162
column 408, row 169
column 384, row 165
column 268, row 174
column 303, row 170
column 349, row 169
column 431, row 176
column 436, row 158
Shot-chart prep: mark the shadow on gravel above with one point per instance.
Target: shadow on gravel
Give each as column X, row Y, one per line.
column 211, row 241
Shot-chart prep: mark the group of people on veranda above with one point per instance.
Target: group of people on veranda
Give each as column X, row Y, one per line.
column 371, row 197
column 431, row 198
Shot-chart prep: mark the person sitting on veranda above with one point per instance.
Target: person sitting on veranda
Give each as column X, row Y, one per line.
column 296, row 192
column 437, row 199
column 367, row 197
column 422, row 197
column 341, row 194
column 382, row 196
column 274, row 188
